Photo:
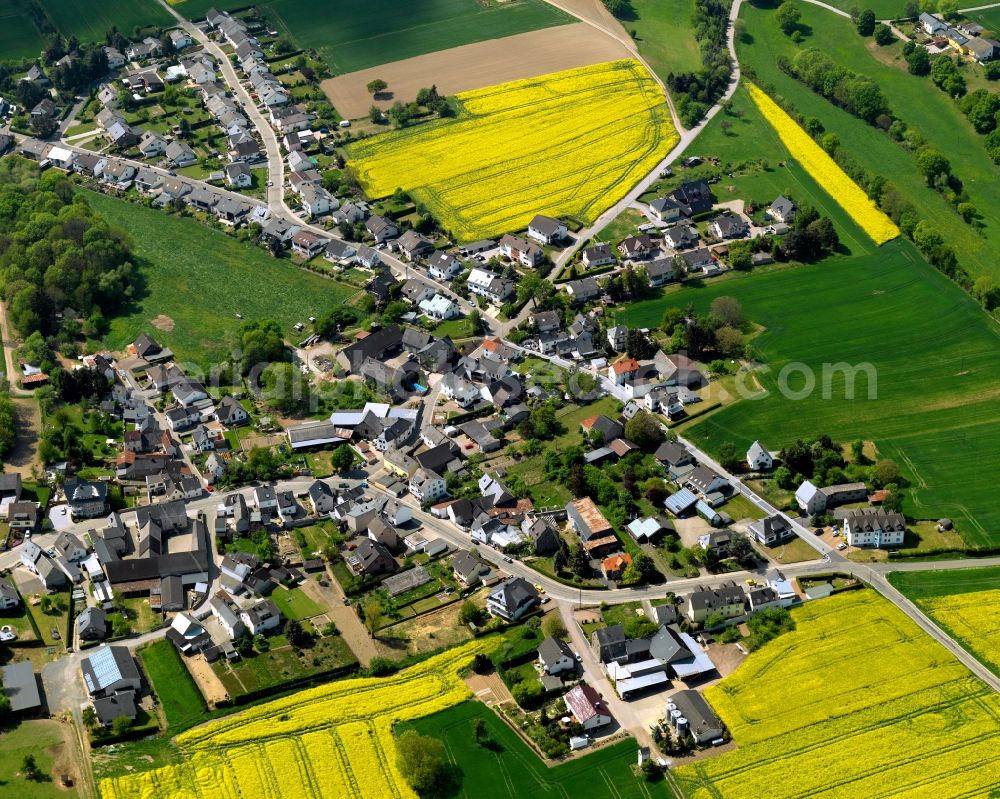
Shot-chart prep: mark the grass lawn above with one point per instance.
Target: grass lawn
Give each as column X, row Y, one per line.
column 198, row 279
column 179, row 697
column 294, row 604
column 739, row 507
column 44, row 740
column 90, row 20
column 794, row 550
column 317, row 537
column 141, row 616
column 348, row 39
column 913, row 99
column 623, row 225
column 665, row 36
column 939, row 430
column 19, row 38
column 620, row 614
column 282, row 664
column 513, row 771
column 47, row 622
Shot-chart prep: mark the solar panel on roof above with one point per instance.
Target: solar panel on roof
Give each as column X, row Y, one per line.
column 105, row 669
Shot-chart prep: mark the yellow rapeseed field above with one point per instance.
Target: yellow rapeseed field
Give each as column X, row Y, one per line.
column 971, row 618
column 856, row 702
column 567, row 144
column 825, row 171
column 332, row 741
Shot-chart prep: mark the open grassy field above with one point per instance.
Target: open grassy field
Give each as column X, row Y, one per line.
column 963, row 602
column 294, row 604
column 513, row 770
column 180, row 699
column 356, row 34
column 198, row 279
column 813, row 715
column 19, row 38
column 334, row 740
column 90, row 20
column 566, row 144
column 915, row 100
column 934, row 411
column 44, row 740
column 665, row 35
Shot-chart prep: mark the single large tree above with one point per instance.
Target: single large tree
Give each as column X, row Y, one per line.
column 422, row 762
column 376, row 86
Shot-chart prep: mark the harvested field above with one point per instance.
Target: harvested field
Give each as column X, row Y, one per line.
column 473, row 66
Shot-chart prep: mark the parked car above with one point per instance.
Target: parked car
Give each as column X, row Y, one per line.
column 841, row 545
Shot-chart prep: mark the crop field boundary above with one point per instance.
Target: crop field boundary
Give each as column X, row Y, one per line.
column 567, row 144
column 915, row 722
column 474, row 66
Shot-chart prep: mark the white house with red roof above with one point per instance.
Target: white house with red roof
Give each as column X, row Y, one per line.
column 587, row 707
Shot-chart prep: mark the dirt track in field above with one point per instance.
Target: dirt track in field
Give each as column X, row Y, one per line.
column 473, row 66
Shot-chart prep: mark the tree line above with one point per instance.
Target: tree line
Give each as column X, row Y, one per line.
column 59, row 261
column 695, row 92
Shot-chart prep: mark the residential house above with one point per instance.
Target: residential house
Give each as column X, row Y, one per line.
column 598, row 255
column 440, row 308
column 869, row 527
column 70, row 547
column 109, row 670
column 371, row 558
column 758, row 458
column 322, row 498
column 86, row 499
column 555, row 656
column 613, row 566
column 152, row 144
column 704, row 481
column 585, row 705
column 443, row 266
column 623, row 371
column 637, row 248
column 227, row 614
column 783, row 209
column 681, row 237
column 115, row 58
column 414, row 245
column 92, row 624
column 771, row 531
column 118, row 172
column 512, row 599
column 547, row 230
column 930, row 25
column 729, row 226
column 694, row 197
column 9, row 598
column 815, row 500
column 380, row 228
column 307, row 244
column 261, row 617
column 468, row 568
column 427, row 486
column 238, row 175
column 180, row 154
column 666, row 209
column 521, row 250
column 489, row 285
column 460, row 391
column 542, row 536
column 608, row 643
column 317, row 201
column 22, row 516
column 583, row 290
column 728, row 601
